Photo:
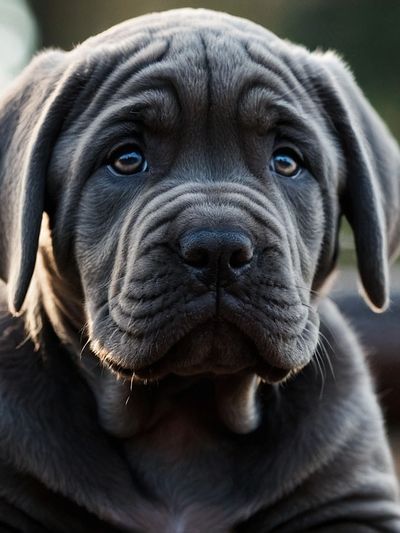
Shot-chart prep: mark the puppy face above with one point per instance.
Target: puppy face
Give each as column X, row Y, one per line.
column 199, row 225
column 196, row 176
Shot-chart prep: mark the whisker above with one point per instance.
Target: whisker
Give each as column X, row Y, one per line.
column 324, row 354
column 83, row 348
column 308, row 289
column 318, row 362
column 323, row 339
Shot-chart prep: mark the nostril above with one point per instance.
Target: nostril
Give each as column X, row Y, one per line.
column 196, row 257
column 241, row 257
column 194, row 251
column 216, row 255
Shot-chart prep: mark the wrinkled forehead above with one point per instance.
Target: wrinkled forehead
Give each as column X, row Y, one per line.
column 173, row 22
column 159, row 67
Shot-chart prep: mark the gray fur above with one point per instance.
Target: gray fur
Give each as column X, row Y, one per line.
column 145, row 399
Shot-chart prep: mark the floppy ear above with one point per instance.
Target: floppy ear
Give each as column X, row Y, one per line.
column 370, row 187
column 31, row 115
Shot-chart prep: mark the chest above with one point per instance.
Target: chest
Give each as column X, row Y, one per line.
column 189, row 478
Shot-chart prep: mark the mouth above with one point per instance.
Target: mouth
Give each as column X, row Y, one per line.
column 268, row 373
column 216, row 352
column 215, row 348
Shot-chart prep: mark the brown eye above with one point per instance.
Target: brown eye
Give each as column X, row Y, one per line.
column 127, row 160
column 286, row 162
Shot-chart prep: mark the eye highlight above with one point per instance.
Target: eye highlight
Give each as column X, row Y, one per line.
column 127, row 160
column 286, row 162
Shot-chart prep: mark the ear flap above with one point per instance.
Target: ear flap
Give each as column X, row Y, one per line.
column 31, row 115
column 370, row 188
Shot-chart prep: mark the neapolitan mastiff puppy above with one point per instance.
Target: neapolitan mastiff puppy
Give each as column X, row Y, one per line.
column 192, row 169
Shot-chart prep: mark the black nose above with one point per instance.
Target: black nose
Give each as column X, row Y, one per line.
column 218, row 256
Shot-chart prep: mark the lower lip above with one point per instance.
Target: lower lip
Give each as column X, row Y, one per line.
column 266, row 372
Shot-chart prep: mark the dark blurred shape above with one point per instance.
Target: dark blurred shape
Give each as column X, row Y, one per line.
column 380, row 336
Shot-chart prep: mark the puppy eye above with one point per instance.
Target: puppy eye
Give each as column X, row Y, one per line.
column 127, row 160
column 286, row 162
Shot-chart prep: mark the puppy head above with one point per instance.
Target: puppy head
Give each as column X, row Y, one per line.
column 194, row 169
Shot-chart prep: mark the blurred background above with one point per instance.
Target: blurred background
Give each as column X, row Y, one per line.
column 366, row 33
